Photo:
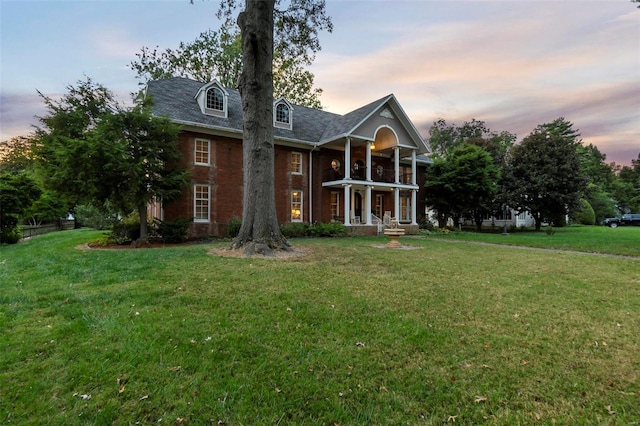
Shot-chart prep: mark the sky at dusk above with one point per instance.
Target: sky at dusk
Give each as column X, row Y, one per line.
column 513, row 64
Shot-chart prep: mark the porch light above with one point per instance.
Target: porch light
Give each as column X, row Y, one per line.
column 373, row 145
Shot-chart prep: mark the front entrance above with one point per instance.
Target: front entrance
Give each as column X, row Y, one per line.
column 357, row 205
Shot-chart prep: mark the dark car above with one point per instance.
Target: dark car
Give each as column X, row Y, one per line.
column 632, row 219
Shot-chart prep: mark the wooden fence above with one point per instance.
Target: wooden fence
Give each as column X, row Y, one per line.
column 61, row 225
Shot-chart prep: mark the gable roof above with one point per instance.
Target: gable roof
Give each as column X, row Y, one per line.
column 174, row 98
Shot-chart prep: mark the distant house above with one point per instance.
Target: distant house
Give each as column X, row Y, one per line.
column 360, row 168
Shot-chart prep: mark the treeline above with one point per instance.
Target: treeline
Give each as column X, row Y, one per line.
column 550, row 174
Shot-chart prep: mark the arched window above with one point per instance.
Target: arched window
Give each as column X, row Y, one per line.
column 282, row 113
column 215, row 99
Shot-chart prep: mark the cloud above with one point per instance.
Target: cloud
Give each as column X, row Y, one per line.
column 523, row 67
column 18, row 114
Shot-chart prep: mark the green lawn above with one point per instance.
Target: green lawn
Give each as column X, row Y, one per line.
column 595, row 239
column 349, row 334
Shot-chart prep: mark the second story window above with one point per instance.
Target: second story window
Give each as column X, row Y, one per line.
column 215, row 99
column 202, row 152
column 296, row 163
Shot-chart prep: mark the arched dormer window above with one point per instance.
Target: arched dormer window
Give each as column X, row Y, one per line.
column 213, row 99
column 283, row 114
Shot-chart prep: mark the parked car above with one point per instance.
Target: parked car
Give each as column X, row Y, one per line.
column 632, row 219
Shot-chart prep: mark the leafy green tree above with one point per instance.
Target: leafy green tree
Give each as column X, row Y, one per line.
column 627, row 188
column 93, row 150
column 466, row 181
column 545, row 175
column 18, row 191
column 219, row 53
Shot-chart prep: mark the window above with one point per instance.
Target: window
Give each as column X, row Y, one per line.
column 296, row 163
column 405, row 208
column 282, row 113
column 215, row 99
column 201, row 204
column 335, row 205
column 379, row 205
column 296, row 206
column 202, row 152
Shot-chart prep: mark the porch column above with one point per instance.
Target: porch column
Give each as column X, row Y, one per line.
column 396, row 204
column 396, row 155
column 347, row 205
column 347, row 160
column 368, row 161
column 367, row 209
column 414, row 208
column 414, row 176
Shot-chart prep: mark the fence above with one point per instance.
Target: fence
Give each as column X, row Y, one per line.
column 32, row 231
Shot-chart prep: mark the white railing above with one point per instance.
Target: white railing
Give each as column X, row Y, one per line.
column 377, row 221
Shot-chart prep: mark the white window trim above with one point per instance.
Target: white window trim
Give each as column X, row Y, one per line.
column 200, row 220
column 337, row 203
column 201, row 97
column 301, row 206
column 299, row 163
column 280, row 124
column 195, row 150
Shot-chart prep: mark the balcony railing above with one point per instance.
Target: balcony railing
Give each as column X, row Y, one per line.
column 377, row 175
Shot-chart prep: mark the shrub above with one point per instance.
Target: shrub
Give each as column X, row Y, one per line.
column 333, row 229
column 10, row 235
column 233, row 227
column 586, row 215
column 173, row 231
column 294, row 230
column 125, row 231
column 95, row 217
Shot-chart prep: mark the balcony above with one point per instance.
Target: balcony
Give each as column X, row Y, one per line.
column 377, row 175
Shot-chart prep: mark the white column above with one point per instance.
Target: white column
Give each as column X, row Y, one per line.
column 347, row 206
column 367, row 209
column 347, row 160
column 414, row 220
column 396, row 204
column 413, row 168
column 368, row 162
column 396, row 154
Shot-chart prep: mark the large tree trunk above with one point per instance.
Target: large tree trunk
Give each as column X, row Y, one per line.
column 260, row 232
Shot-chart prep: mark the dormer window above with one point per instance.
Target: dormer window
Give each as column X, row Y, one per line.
column 213, row 99
column 282, row 116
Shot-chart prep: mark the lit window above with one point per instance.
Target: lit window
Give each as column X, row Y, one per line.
column 296, row 163
column 335, row 205
column 202, row 154
column 405, row 208
column 296, row 206
column 201, row 204
column 215, row 99
column 282, row 113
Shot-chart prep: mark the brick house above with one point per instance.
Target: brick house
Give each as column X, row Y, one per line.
column 361, row 168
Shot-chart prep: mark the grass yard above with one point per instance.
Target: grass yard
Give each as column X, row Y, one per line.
column 350, row 334
column 624, row 241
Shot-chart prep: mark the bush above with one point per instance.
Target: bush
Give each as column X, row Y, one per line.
column 586, row 215
column 10, row 235
column 173, row 231
column 233, row 227
column 333, row 229
column 294, row 230
column 95, row 217
column 125, row 231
